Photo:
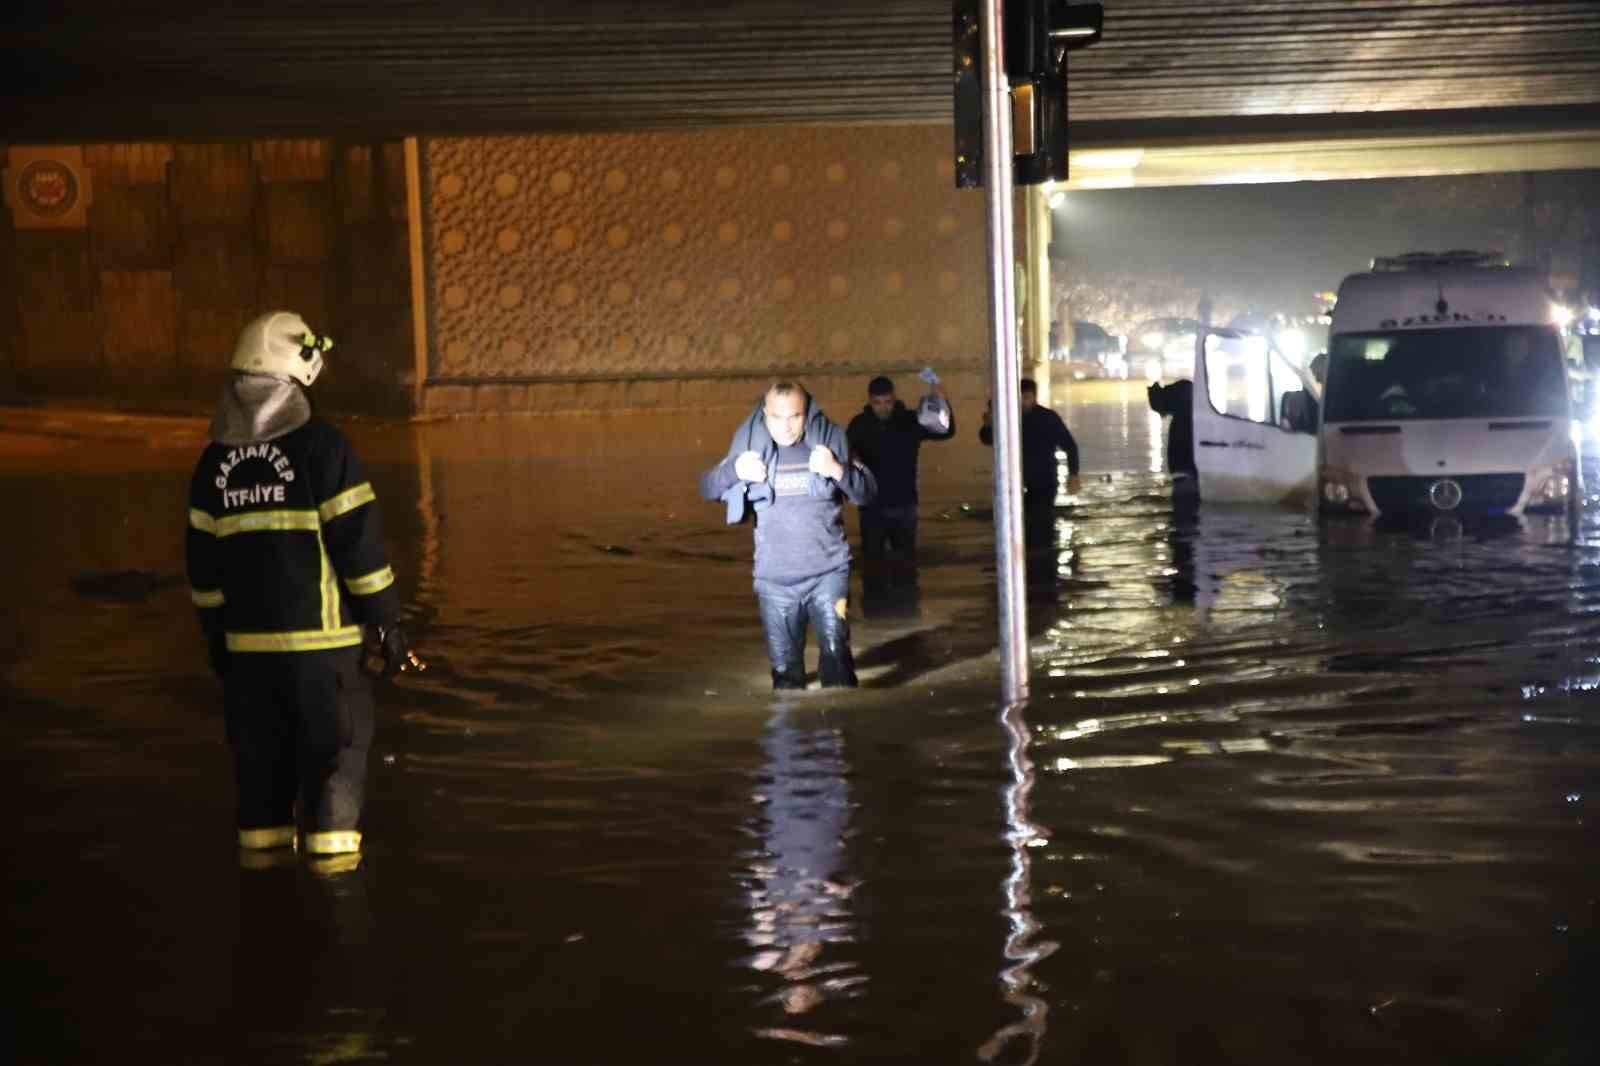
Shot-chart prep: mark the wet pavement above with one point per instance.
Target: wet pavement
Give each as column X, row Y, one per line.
column 1282, row 794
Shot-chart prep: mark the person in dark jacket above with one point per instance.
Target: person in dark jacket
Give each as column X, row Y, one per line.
column 1176, row 401
column 286, row 566
column 791, row 466
column 886, row 437
column 1043, row 435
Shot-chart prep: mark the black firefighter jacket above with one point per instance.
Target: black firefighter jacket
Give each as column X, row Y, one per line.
column 285, row 552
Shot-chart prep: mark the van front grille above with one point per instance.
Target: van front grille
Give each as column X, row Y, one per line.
column 1480, row 493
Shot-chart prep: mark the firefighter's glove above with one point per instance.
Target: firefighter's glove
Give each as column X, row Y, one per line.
column 395, row 649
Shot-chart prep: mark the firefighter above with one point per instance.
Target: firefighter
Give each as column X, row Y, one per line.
column 286, row 566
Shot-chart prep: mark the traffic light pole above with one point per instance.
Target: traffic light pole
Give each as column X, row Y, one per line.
column 1006, row 423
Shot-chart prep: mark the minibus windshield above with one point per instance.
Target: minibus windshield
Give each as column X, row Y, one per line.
column 1464, row 372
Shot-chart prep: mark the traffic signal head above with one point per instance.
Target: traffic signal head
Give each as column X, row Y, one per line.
column 1040, row 33
column 1037, row 35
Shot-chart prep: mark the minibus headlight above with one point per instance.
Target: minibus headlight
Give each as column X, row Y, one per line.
column 1556, row 488
column 1339, row 490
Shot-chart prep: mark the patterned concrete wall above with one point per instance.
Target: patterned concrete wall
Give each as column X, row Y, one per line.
column 561, row 265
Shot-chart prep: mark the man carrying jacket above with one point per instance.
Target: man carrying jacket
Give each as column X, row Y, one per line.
column 791, row 466
column 887, row 437
column 1043, row 435
column 286, row 565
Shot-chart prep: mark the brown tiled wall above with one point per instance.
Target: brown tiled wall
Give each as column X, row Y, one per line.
column 186, row 243
column 564, row 272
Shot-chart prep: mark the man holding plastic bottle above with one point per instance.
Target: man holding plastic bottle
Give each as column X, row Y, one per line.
column 887, row 437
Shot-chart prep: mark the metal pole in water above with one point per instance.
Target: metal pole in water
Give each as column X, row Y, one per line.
column 1006, row 422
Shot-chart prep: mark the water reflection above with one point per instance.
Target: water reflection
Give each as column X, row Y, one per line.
column 303, row 970
column 891, row 588
column 1022, row 1040
column 798, row 886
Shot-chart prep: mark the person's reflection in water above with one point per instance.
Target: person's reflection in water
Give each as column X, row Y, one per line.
column 799, row 894
column 890, row 588
column 1051, row 558
column 306, row 983
column 1181, row 535
column 1043, row 562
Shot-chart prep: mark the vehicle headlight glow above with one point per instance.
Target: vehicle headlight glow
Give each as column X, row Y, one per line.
column 1561, row 316
column 1555, row 488
column 1557, row 484
column 1339, row 489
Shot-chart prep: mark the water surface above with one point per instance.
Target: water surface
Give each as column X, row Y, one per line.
column 1282, row 793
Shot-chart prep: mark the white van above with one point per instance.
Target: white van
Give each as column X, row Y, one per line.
column 1447, row 389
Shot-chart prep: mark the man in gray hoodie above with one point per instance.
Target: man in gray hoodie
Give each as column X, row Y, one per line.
column 791, row 466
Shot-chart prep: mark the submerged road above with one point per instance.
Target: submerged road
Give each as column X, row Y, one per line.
column 1282, row 794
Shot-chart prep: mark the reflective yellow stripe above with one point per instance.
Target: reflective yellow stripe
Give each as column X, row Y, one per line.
column 202, row 521
column 265, row 859
column 334, row 865
column 347, row 501
column 367, row 584
column 267, row 521
column 206, row 597
column 335, row 842
column 299, row 640
column 329, row 587
column 322, row 580
column 278, row 836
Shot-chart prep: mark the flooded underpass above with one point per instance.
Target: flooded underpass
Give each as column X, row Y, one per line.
column 1282, row 792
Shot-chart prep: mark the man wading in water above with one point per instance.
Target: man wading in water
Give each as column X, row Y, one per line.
column 790, row 466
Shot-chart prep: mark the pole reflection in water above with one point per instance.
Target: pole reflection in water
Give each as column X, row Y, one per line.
column 427, row 518
column 799, row 891
column 1021, row 951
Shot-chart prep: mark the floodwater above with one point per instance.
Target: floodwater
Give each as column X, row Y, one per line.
column 1280, row 795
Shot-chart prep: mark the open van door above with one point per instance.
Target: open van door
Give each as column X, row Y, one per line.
column 1255, row 421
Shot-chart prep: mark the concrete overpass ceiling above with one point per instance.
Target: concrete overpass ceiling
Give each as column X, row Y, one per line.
column 78, row 70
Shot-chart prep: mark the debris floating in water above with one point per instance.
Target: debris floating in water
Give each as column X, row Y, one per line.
column 127, row 586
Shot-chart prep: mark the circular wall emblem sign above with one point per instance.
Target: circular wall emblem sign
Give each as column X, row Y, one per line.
column 48, row 188
column 1445, row 494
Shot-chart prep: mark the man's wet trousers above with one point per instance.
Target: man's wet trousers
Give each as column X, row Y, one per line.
column 300, row 724
column 786, row 609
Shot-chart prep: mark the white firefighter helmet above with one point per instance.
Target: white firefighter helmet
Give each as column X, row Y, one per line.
column 281, row 344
